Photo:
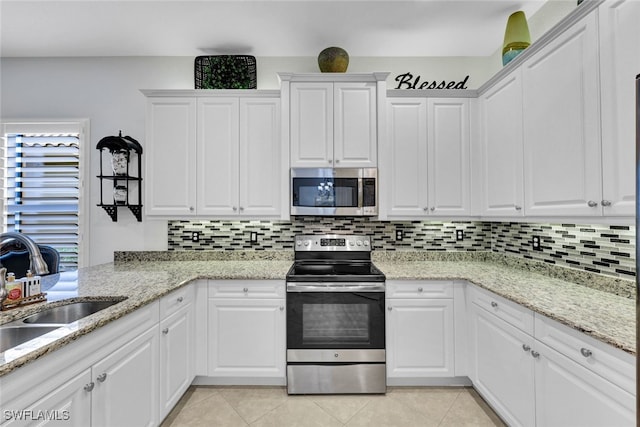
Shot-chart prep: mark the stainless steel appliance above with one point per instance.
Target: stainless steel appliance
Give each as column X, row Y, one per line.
column 335, row 317
column 334, row 192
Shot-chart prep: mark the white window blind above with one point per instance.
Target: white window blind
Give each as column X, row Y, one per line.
column 41, row 191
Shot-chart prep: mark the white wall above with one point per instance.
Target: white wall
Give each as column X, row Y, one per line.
column 106, row 91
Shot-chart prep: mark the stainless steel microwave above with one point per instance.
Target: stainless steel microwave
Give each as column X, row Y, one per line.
column 334, row 192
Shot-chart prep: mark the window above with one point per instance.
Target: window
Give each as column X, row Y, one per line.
column 42, row 189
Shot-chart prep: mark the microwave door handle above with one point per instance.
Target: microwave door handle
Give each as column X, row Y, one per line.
column 360, row 206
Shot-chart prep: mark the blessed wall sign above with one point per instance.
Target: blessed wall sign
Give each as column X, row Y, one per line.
column 407, row 81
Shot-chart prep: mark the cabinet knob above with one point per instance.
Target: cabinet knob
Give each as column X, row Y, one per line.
column 592, row 204
column 245, row 290
column 102, row 377
column 425, row 209
column 494, row 304
column 389, row 308
column 89, row 386
column 419, row 289
column 330, row 161
column 337, row 160
column 234, row 208
column 282, row 308
column 191, row 209
column 180, row 299
column 433, row 208
column 526, row 347
column 586, row 352
column 518, row 208
column 535, row 354
column 165, row 331
column 241, row 208
column 606, row 203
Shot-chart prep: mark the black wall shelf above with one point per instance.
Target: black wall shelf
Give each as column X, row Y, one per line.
column 121, row 148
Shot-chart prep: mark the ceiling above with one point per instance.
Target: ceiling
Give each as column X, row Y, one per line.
column 376, row 28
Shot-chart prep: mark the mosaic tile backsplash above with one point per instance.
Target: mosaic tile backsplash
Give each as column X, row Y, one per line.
column 602, row 249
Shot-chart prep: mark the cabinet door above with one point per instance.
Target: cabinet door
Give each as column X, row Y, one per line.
column 502, row 162
column 126, row 384
column 561, row 125
column 170, row 154
column 218, row 162
column 176, row 357
column 355, row 125
column 568, row 394
column 448, row 156
column 246, row 338
column 619, row 35
column 68, row 404
column 406, row 157
column 419, row 338
column 260, row 157
column 311, row 125
column 503, row 367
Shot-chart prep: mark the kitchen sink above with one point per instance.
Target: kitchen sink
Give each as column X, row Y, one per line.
column 68, row 313
column 12, row 336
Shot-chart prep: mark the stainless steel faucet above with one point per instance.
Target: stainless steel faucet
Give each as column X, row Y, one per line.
column 37, row 264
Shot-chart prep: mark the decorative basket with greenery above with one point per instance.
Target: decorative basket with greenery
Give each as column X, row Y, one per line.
column 225, row 72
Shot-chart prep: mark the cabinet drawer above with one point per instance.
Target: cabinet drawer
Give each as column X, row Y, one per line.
column 510, row 312
column 177, row 299
column 246, row 289
column 611, row 363
column 419, row 289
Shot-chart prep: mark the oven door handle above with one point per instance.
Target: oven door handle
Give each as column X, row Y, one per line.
column 335, row 287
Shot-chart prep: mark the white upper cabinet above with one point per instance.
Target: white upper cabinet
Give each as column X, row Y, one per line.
column 501, row 147
column 426, row 164
column 214, row 155
column 333, row 118
column 170, row 156
column 619, row 64
column 562, row 125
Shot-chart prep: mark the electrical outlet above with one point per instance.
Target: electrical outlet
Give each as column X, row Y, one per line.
column 195, row 236
column 254, row 237
column 459, row 235
column 535, row 243
column 399, row 235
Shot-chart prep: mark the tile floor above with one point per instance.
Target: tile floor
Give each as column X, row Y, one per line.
column 271, row 406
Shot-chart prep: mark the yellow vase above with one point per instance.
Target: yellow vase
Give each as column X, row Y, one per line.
column 516, row 37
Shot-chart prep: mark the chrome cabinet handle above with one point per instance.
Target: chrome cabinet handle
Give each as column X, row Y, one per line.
column 518, row 208
column 180, row 299
column 426, row 209
column 191, row 209
column 337, row 160
column 586, row 352
column 165, row 331
column 419, row 289
column 89, row 386
column 233, row 208
column 526, row 347
column 592, row 204
column 494, row 304
column 330, row 161
column 389, row 308
column 433, row 208
column 535, row 354
column 606, row 203
column 241, row 208
column 245, row 290
column 281, row 308
column 102, row 377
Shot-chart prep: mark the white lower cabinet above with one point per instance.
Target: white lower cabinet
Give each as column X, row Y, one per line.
column 536, row 372
column 108, row 377
column 503, row 367
column 177, row 346
column 246, row 332
column 419, row 331
column 126, row 384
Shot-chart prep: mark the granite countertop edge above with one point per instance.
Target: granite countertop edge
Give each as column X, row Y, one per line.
column 162, row 277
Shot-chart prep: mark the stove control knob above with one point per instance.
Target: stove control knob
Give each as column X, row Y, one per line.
column 299, row 243
column 351, row 243
column 307, row 242
column 366, row 243
column 359, row 243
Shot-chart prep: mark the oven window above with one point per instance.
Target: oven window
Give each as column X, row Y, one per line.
column 335, row 323
column 333, row 320
column 325, row 192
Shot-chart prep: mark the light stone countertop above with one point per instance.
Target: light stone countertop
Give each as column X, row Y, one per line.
column 600, row 314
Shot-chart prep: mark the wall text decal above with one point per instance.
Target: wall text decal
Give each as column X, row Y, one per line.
column 406, row 81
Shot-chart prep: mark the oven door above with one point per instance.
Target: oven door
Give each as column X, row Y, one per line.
column 347, row 318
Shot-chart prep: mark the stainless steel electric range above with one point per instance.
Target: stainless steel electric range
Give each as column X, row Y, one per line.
column 335, row 317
